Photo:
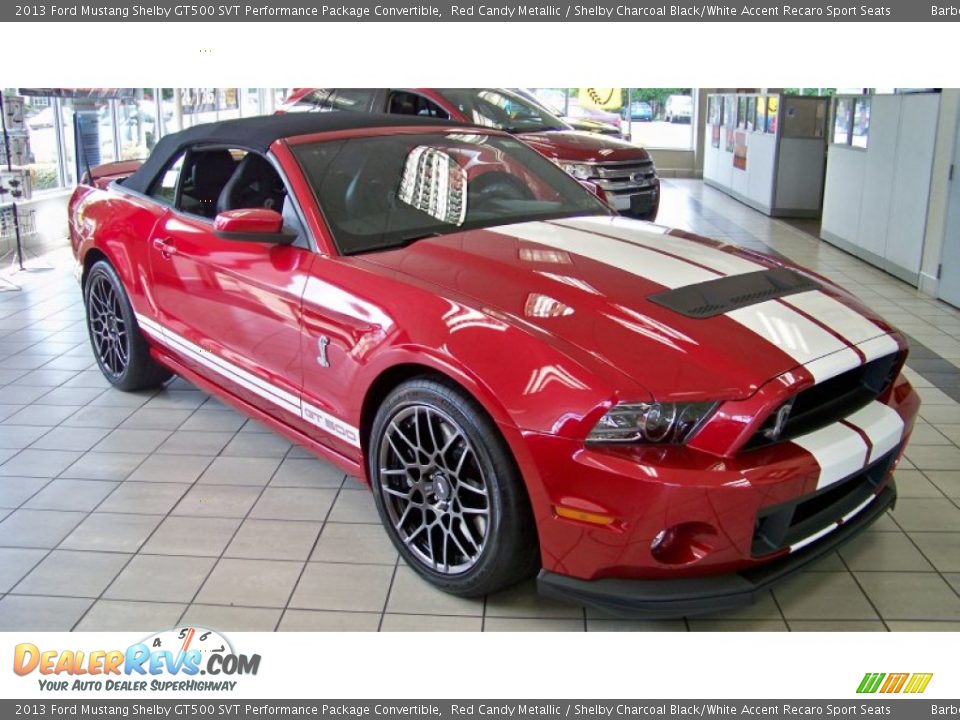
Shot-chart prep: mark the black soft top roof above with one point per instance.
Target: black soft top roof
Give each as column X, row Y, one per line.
column 258, row 133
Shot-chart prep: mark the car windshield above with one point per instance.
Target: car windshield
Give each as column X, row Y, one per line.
column 388, row 191
column 502, row 109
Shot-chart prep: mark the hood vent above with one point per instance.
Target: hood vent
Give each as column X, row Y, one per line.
column 716, row 297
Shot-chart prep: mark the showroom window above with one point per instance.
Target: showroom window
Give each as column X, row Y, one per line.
column 661, row 118
column 37, row 149
column 116, row 124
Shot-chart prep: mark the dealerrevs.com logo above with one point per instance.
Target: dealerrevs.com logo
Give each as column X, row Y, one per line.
column 169, row 660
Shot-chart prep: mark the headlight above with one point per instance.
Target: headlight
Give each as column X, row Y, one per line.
column 580, row 172
column 661, row 423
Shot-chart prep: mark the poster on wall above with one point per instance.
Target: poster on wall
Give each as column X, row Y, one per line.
column 740, row 151
column 715, row 114
column 773, row 105
column 761, row 114
column 729, row 120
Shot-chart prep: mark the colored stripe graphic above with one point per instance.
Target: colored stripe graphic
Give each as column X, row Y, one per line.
column 918, row 683
column 870, row 682
column 894, row 683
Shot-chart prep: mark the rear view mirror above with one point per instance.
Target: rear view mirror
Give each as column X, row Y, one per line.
column 252, row 225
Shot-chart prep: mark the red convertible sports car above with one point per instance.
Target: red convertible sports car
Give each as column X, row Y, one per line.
column 657, row 422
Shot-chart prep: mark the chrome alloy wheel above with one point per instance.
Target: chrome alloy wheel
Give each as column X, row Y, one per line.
column 434, row 489
column 109, row 332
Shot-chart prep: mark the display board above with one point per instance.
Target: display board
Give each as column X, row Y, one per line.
column 768, row 151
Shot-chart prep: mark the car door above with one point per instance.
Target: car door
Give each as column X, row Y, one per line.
column 229, row 309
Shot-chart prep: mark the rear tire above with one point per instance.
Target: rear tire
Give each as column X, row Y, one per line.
column 448, row 491
column 118, row 345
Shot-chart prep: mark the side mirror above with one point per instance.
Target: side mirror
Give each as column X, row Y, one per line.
column 252, row 225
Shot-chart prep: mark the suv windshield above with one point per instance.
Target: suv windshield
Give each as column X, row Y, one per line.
column 388, row 191
column 503, row 110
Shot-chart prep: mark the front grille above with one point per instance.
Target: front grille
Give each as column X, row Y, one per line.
column 833, row 399
column 624, row 177
column 781, row 526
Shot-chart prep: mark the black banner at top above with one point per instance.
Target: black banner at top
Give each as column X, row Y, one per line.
column 479, row 11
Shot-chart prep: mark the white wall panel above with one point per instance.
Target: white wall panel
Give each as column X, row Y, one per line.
column 911, row 181
column 880, row 160
column 844, row 193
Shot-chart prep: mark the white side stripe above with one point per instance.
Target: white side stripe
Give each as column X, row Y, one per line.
column 653, row 266
column 278, row 396
column 882, row 424
column 839, row 451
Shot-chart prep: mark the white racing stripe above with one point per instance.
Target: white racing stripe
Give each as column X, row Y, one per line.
column 830, row 366
column 878, row 347
column 882, row 424
column 830, row 528
column 813, row 538
column 638, row 233
column 839, row 451
column 653, row 266
column 798, row 337
column 822, row 353
column 850, row 324
column 278, row 396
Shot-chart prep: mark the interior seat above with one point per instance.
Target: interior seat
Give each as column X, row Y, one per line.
column 254, row 184
column 210, row 171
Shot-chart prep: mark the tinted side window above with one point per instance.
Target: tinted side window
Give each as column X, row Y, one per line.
column 408, row 103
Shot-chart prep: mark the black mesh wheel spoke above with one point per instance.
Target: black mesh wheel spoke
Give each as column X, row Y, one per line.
column 108, row 331
column 434, row 489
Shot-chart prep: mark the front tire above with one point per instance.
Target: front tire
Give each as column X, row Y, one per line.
column 448, row 491
column 121, row 352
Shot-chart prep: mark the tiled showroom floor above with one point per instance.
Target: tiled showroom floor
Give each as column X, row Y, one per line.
column 139, row 512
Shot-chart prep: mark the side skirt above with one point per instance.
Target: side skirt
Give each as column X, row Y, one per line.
column 354, row 468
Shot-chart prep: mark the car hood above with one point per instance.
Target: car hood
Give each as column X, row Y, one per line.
column 574, row 146
column 599, row 283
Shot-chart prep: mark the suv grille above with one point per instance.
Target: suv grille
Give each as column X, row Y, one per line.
column 834, row 399
column 624, row 177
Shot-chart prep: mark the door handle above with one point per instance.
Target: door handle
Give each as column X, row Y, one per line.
column 166, row 247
